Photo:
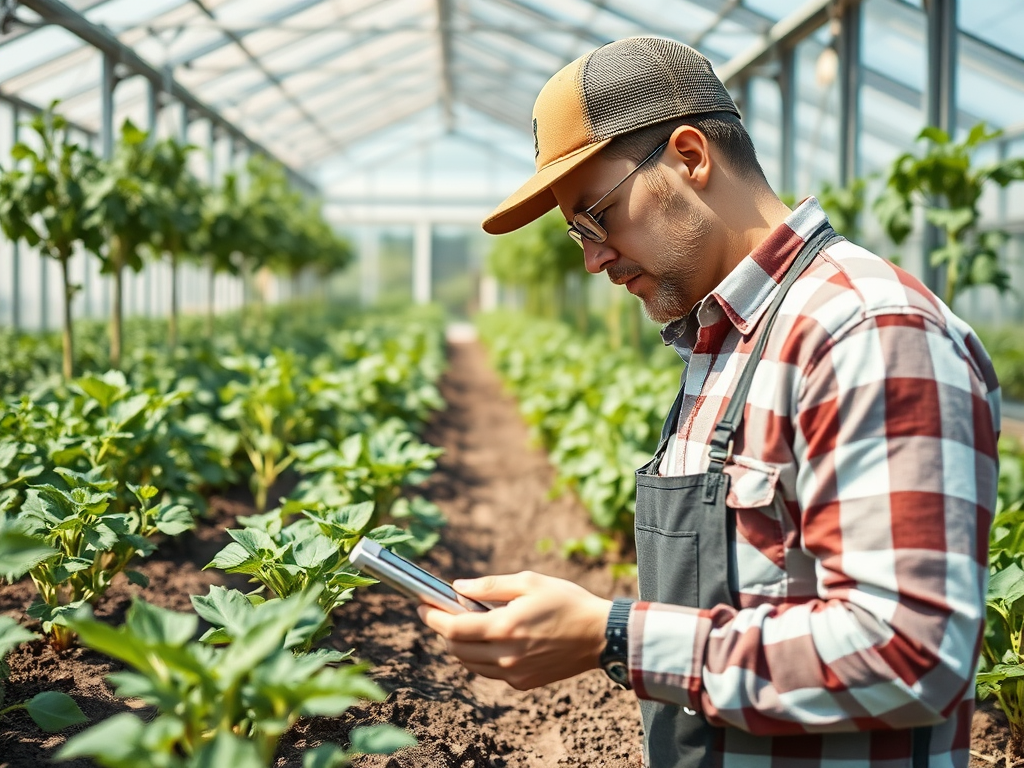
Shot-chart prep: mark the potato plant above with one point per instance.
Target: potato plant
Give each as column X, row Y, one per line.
column 223, row 705
column 1001, row 672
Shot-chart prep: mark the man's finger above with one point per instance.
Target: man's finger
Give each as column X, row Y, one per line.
column 500, row 589
column 464, row 627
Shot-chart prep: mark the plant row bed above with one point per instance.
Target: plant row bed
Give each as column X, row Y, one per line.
column 98, row 472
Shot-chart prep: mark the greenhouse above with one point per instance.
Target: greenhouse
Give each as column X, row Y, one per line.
column 302, row 296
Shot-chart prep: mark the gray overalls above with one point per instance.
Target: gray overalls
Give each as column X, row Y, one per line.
column 684, row 532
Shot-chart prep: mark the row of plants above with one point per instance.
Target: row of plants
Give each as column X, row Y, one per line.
column 597, row 411
column 145, row 204
column 95, row 471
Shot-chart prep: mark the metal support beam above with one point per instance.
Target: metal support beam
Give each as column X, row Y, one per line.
column 103, row 40
column 782, row 35
column 422, row 262
column 369, row 266
column 849, row 94
column 787, row 94
column 107, row 85
column 444, row 33
column 940, row 104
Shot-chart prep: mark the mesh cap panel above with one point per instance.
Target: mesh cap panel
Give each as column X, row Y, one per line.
column 644, row 80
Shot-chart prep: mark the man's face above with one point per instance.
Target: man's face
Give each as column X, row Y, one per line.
column 657, row 238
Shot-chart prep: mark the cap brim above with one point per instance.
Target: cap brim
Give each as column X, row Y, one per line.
column 534, row 198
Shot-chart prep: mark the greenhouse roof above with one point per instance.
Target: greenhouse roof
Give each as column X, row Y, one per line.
column 408, row 102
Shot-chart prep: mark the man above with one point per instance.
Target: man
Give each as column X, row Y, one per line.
column 812, row 534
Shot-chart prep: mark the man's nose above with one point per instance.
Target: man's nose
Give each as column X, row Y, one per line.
column 597, row 256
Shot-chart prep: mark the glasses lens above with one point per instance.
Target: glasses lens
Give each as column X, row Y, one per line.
column 576, row 236
column 588, row 227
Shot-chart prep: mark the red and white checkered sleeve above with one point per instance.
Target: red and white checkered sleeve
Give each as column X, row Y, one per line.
column 896, row 479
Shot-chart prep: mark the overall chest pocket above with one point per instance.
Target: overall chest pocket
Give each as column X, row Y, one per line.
column 675, row 535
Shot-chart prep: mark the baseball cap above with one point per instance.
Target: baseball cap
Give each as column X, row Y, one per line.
column 617, row 88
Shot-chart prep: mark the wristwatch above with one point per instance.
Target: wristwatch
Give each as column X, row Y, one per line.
column 615, row 656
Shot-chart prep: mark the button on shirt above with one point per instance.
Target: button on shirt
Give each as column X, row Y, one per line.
column 863, row 481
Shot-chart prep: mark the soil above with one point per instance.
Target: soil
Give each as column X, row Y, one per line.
column 494, row 488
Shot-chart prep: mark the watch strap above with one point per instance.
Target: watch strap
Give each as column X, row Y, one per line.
column 614, row 657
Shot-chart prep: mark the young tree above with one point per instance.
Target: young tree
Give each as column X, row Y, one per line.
column 181, row 197
column 944, row 183
column 126, row 202
column 44, row 203
column 224, row 232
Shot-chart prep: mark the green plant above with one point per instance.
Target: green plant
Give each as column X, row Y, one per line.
column 844, row 206
column 1001, row 671
column 50, row 710
column 220, row 706
column 267, row 405
column 944, row 183
column 46, row 205
column 181, row 199
column 90, row 543
column 310, row 552
column 125, row 199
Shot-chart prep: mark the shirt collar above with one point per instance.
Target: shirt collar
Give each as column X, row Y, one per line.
column 747, row 291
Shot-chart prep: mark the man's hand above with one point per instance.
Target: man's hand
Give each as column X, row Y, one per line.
column 550, row 629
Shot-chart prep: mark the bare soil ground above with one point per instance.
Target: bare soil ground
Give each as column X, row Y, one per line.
column 495, row 490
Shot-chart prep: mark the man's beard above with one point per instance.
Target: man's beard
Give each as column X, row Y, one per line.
column 684, row 234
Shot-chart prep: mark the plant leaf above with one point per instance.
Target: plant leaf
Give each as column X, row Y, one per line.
column 54, row 711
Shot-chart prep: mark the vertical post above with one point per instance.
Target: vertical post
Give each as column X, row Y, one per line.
column 107, row 129
column 422, row 256
column 369, row 266
column 745, row 93
column 940, row 102
column 15, row 245
column 787, row 92
column 849, row 94
column 152, row 119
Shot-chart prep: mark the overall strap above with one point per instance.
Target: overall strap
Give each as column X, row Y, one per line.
column 725, row 430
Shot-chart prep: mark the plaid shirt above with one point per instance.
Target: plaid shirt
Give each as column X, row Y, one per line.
column 864, row 483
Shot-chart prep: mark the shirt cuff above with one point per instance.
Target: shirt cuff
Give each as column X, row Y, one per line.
column 666, row 652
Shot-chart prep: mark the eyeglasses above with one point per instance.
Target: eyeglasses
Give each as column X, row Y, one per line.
column 586, row 225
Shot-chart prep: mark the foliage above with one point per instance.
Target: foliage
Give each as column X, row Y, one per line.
column 50, row 710
column 844, row 206
column 126, row 199
column 90, row 542
column 945, row 184
column 45, row 205
column 311, row 552
column 1006, row 348
column 1001, row 672
column 599, row 413
column 540, row 258
column 222, row 705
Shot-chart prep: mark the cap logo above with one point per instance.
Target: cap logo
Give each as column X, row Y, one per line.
column 536, row 141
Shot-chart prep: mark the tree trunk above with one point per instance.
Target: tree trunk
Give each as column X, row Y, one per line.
column 172, row 325
column 69, row 340
column 116, row 310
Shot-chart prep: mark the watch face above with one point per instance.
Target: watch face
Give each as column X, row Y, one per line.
column 618, row 671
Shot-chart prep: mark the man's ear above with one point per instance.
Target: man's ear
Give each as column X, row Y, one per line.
column 690, row 154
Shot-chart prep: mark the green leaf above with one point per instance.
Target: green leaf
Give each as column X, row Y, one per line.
column 20, row 552
column 53, row 711
column 12, row 634
column 379, row 739
column 155, row 625
column 324, row 756
column 138, row 578
column 174, row 519
column 226, row 750
column 115, row 740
